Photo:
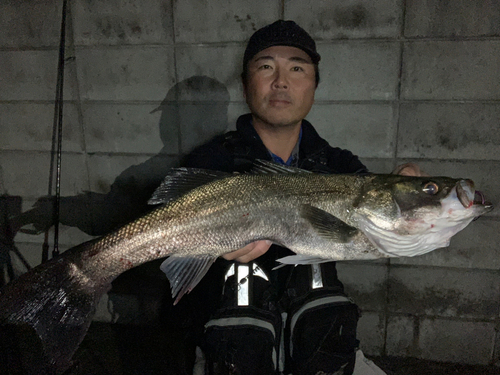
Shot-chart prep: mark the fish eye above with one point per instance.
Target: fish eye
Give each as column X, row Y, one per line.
column 431, row 188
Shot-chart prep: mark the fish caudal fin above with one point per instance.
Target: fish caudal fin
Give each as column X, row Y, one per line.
column 44, row 316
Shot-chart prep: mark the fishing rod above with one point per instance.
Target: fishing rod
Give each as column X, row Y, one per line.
column 57, row 142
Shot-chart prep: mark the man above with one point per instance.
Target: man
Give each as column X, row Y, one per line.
column 294, row 319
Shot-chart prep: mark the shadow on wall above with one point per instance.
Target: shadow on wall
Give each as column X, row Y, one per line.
column 193, row 111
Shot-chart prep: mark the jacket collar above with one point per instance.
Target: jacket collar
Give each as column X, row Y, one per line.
column 249, row 135
column 310, row 144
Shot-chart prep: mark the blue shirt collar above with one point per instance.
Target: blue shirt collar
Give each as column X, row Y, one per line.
column 293, row 160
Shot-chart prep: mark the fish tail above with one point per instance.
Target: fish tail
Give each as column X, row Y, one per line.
column 44, row 316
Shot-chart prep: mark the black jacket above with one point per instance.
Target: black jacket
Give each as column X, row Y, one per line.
column 236, row 150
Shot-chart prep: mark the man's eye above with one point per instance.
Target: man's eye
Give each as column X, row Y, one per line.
column 297, row 69
column 265, row 66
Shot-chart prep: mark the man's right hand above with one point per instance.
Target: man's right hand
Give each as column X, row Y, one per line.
column 250, row 252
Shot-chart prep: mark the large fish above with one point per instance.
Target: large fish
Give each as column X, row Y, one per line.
column 206, row 214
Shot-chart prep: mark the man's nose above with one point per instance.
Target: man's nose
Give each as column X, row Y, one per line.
column 280, row 81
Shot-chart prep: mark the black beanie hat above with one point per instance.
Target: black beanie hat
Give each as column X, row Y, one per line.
column 280, row 33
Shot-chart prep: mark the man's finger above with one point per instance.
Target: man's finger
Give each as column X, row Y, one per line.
column 409, row 169
column 259, row 249
column 240, row 252
column 249, row 252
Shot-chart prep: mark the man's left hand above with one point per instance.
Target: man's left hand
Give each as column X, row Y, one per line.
column 409, row 169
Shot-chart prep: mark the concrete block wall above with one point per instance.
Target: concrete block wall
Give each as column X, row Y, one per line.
column 146, row 81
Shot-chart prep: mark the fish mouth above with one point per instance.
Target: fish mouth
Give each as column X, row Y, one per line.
column 465, row 192
column 469, row 197
column 480, row 200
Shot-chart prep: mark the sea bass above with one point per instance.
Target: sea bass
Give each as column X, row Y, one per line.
column 205, row 214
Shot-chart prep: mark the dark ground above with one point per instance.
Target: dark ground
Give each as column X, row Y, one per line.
column 114, row 349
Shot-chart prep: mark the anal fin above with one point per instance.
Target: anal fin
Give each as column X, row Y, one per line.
column 184, row 273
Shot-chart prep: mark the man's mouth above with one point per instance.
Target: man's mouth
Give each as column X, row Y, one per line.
column 279, row 102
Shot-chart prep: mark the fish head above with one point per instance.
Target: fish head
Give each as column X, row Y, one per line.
column 406, row 216
column 438, row 198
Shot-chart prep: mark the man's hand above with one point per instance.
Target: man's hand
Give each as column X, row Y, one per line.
column 250, row 252
column 409, row 169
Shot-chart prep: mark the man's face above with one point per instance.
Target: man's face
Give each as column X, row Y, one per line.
column 280, row 86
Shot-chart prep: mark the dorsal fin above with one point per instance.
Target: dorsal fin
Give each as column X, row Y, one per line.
column 267, row 167
column 181, row 180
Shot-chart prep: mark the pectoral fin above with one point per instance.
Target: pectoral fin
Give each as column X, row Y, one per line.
column 184, row 273
column 327, row 225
